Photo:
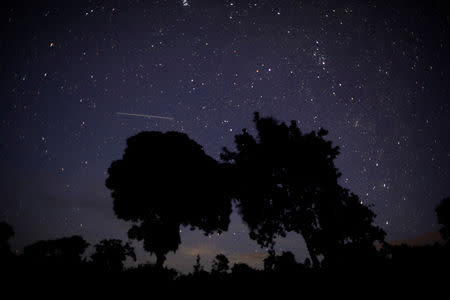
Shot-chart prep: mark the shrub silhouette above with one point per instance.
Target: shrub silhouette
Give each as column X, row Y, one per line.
column 62, row 254
column 110, row 255
column 286, row 181
column 163, row 181
column 242, row 269
column 220, row 264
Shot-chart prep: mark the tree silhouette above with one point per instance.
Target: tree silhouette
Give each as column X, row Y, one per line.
column 198, row 268
column 443, row 215
column 285, row 263
column 220, row 264
column 286, row 181
column 110, row 255
column 163, row 181
column 65, row 252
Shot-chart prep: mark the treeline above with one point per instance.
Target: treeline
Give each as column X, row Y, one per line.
column 281, row 181
column 62, row 263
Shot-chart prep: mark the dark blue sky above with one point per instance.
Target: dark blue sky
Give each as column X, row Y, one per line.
column 374, row 73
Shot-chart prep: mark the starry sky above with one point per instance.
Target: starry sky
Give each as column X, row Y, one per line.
column 373, row 73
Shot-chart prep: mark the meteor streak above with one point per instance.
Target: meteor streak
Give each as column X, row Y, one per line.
column 145, row 116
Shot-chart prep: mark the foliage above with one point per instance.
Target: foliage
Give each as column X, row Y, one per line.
column 286, row 181
column 163, row 181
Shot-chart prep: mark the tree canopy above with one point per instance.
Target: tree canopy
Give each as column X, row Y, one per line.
column 286, row 181
column 164, row 181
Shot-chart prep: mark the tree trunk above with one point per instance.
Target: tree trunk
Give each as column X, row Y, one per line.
column 312, row 254
column 160, row 258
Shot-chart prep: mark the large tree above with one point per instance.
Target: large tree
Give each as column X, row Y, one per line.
column 286, row 181
column 164, row 181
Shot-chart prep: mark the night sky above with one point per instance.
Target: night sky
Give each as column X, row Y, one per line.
column 373, row 73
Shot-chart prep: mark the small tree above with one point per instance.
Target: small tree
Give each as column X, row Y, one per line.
column 220, row 264
column 198, row 268
column 110, row 255
column 61, row 253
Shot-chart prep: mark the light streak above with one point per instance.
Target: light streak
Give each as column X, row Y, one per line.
column 144, row 116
